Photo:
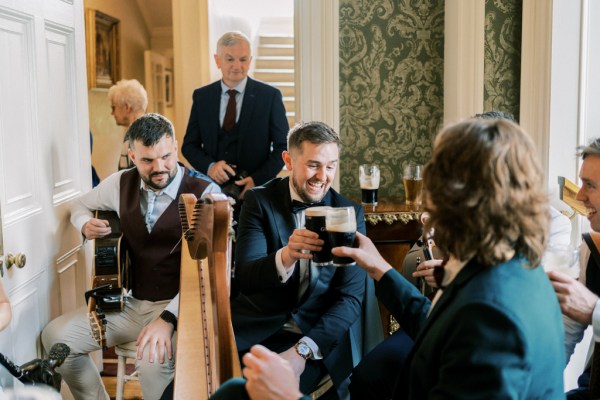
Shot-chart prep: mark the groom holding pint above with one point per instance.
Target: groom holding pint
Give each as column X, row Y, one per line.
column 301, row 309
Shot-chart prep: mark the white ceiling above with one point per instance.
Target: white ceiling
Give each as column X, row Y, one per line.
column 156, row 13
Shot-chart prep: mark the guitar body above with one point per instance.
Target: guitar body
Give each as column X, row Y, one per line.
column 109, row 277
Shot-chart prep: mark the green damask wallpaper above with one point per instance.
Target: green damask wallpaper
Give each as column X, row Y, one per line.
column 502, row 63
column 391, row 87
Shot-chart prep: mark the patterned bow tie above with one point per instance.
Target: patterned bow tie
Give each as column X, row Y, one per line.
column 298, row 206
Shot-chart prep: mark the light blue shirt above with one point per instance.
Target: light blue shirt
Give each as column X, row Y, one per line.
column 153, row 203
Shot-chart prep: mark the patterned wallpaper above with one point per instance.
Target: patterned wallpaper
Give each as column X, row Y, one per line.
column 391, row 87
column 502, row 62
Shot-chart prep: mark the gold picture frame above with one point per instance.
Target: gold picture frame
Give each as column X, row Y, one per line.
column 102, row 49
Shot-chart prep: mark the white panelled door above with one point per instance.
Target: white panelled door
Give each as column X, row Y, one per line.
column 44, row 164
column 154, row 67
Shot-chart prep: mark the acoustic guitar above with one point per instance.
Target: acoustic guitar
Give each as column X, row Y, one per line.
column 109, row 277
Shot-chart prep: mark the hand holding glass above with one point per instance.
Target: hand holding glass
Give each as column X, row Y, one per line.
column 368, row 176
column 562, row 258
column 315, row 221
column 413, row 184
column 341, row 228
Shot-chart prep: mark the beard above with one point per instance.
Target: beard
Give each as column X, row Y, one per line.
column 148, row 180
column 301, row 192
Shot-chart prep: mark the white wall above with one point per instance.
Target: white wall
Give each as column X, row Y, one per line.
column 248, row 17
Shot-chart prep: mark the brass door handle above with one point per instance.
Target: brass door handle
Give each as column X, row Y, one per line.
column 18, row 260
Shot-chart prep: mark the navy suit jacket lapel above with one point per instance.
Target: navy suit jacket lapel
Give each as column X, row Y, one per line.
column 245, row 116
column 212, row 112
column 282, row 211
column 463, row 277
column 445, row 300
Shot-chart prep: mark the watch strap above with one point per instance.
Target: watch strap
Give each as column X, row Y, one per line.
column 169, row 317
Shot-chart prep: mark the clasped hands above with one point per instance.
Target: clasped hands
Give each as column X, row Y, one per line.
column 221, row 172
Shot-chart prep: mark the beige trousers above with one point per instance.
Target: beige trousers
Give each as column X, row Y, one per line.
column 80, row 372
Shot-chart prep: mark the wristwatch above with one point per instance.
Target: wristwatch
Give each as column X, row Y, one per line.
column 303, row 350
column 169, row 317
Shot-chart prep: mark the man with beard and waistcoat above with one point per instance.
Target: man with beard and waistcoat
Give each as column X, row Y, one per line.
column 146, row 200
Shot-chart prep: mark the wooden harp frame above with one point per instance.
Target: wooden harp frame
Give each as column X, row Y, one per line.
column 206, row 353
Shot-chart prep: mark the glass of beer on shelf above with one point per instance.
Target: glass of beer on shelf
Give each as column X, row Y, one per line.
column 368, row 176
column 341, row 229
column 315, row 221
column 413, row 184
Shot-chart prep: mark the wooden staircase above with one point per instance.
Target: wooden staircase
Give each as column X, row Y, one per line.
column 275, row 66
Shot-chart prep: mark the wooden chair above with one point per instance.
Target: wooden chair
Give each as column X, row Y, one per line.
column 206, row 352
column 123, row 352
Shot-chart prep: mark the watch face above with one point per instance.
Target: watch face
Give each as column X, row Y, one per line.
column 303, row 350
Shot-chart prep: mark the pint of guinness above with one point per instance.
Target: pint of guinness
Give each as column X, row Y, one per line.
column 341, row 228
column 315, row 221
column 368, row 176
column 369, row 196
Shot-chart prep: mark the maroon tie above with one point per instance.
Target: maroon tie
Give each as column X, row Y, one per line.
column 230, row 112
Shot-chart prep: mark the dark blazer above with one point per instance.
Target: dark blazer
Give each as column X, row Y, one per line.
column 330, row 306
column 262, row 124
column 495, row 333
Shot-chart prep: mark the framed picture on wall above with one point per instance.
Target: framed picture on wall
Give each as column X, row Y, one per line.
column 168, row 87
column 102, row 49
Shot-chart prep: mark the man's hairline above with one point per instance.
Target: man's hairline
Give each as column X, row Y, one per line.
column 299, row 148
column 220, row 48
column 172, row 135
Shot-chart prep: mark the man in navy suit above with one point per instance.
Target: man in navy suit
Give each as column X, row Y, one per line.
column 305, row 313
column 246, row 143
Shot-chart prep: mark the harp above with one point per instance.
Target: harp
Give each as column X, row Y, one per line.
column 206, row 352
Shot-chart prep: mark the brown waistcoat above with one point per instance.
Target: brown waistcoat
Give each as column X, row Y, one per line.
column 154, row 269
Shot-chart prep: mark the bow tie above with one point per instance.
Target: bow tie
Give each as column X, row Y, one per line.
column 298, row 206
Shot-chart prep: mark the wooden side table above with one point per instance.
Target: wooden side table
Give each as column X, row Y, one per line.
column 394, row 228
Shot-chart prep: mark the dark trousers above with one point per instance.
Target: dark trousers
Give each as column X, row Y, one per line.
column 582, row 392
column 375, row 376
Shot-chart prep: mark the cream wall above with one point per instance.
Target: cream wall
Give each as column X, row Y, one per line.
column 134, row 40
